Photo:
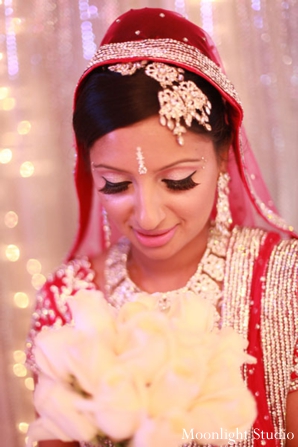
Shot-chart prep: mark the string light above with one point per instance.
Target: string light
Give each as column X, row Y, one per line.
column 12, row 252
column 21, row 300
column 11, row 41
column 5, row 156
column 207, row 15
column 256, row 5
column 11, row 219
column 27, row 169
column 180, row 7
column 87, row 12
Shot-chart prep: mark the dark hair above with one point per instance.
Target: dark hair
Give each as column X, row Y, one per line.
column 107, row 101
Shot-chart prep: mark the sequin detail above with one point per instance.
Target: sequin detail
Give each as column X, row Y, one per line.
column 280, row 327
column 210, row 271
column 279, row 316
column 51, row 308
column 165, row 50
column 177, row 99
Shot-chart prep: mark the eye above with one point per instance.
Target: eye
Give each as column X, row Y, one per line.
column 114, row 188
column 181, row 185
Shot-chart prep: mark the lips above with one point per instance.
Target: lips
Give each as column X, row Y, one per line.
column 155, row 239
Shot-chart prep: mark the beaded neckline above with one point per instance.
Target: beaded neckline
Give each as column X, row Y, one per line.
column 204, row 282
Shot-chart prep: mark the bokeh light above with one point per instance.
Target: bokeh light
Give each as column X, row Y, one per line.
column 11, row 219
column 19, row 356
column 8, row 103
column 4, row 91
column 29, row 383
column 5, row 156
column 19, row 370
column 23, row 427
column 33, row 266
column 21, row 300
column 27, row 169
column 34, row 443
column 38, row 280
column 12, row 252
column 24, row 127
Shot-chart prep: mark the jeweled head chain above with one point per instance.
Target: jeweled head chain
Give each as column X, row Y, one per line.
column 178, row 99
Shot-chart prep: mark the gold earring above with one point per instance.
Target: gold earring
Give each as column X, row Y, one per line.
column 106, row 228
column 223, row 219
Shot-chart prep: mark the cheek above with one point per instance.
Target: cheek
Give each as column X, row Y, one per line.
column 118, row 207
column 198, row 203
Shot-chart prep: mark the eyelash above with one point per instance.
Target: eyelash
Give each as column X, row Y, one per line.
column 114, row 188
column 181, row 185
column 175, row 185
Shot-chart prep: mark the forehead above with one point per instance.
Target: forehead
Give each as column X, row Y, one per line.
column 158, row 144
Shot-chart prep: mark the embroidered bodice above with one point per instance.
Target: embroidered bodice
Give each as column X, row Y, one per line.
column 253, row 268
column 119, row 288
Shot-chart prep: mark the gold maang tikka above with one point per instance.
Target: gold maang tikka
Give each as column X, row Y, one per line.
column 178, row 99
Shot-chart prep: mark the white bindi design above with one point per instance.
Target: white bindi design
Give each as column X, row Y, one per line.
column 140, row 159
column 204, row 161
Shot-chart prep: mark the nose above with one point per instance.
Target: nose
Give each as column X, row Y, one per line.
column 149, row 209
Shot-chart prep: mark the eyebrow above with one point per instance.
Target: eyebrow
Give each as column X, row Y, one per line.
column 171, row 165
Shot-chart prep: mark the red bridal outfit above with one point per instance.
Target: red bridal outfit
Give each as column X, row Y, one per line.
column 261, row 256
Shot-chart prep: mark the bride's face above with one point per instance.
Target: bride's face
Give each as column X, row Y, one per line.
column 166, row 209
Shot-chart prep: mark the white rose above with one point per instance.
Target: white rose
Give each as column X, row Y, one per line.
column 91, row 312
column 65, row 353
column 133, row 308
column 118, row 405
column 160, row 432
column 144, row 342
column 191, row 312
column 228, row 355
column 174, row 388
column 224, row 401
column 59, row 418
column 84, row 350
column 233, row 410
column 51, row 346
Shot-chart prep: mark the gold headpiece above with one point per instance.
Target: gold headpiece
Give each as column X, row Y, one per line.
column 178, row 99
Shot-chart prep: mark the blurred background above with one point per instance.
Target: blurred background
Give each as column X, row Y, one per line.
column 44, row 47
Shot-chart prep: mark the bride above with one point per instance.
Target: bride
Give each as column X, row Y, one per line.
column 169, row 192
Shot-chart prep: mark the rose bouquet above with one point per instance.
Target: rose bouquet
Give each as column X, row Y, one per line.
column 140, row 376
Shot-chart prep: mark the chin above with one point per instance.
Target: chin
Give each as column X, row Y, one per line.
column 162, row 253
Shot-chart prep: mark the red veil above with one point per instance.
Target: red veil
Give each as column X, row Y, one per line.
column 165, row 36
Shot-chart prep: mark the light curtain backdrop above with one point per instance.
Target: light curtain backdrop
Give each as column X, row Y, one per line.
column 44, row 47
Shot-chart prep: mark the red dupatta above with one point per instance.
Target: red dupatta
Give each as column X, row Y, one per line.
column 161, row 35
